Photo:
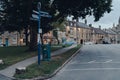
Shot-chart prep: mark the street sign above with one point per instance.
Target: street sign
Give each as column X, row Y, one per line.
column 41, row 12
column 43, row 15
column 37, row 16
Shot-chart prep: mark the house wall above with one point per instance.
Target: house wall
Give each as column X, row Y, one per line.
column 12, row 38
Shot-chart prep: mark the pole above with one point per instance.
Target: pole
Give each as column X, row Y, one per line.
column 39, row 38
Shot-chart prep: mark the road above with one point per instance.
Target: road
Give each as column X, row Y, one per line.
column 4, row 77
column 93, row 62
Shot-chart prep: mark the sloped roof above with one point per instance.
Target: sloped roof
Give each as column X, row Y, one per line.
column 77, row 24
column 82, row 25
column 109, row 31
column 98, row 31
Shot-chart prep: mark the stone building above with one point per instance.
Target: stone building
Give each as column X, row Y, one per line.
column 98, row 35
column 116, row 29
column 12, row 38
column 111, row 36
column 77, row 31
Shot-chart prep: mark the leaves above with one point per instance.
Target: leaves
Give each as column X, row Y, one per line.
column 82, row 8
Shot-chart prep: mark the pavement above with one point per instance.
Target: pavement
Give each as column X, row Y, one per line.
column 94, row 62
column 10, row 71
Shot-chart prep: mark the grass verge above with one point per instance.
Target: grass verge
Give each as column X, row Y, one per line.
column 12, row 55
column 47, row 67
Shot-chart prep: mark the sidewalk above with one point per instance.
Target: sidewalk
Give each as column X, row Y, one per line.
column 10, row 71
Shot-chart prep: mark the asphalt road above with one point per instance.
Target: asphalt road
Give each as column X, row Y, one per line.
column 4, row 77
column 94, row 62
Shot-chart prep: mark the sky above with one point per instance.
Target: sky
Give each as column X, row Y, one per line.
column 107, row 20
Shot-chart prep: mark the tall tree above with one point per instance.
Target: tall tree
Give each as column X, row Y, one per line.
column 17, row 13
column 82, row 8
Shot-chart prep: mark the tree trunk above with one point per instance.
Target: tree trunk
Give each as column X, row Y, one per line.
column 33, row 39
column 26, row 36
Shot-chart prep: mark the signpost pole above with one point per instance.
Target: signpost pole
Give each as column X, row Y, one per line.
column 39, row 31
column 37, row 16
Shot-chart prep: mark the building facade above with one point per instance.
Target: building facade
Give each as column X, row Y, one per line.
column 78, row 32
column 12, row 38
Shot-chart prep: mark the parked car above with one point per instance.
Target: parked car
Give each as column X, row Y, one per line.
column 89, row 43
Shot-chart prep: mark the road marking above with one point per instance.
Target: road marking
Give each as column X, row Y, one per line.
column 108, row 61
column 96, row 62
column 91, row 61
column 92, row 69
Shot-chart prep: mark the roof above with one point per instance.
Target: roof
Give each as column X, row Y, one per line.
column 109, row 31
column 98, row 31
column 77, row 24
column 82, row 25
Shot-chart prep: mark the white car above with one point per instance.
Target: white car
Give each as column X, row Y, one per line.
column 89, row 43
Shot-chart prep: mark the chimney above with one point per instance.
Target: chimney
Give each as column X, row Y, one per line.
column 90, row 25
column 99, row 26
column 85, row 21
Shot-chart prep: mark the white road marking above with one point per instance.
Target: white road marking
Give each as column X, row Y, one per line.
column 91, row 61
column 74, row 62
column 96, row 62
column 108, row 61
column 92, row 69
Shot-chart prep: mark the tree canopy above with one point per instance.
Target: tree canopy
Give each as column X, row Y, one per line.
column 82, row 8
column 16, row 13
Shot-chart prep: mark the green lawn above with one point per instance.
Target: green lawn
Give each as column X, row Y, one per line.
column 46, row 67
column 12, row 55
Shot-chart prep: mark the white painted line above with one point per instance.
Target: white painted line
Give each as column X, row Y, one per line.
column 91, row 61
column 74, row 62
column 92, row 69
column 108, row 61
column 97, row 62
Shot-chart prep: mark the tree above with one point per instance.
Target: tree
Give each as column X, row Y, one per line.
column 82, row 8
column 18, row 13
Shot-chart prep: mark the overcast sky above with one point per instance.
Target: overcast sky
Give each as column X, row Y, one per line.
column 108, row 19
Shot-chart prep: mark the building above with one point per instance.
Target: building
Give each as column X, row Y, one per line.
column 111, row 36
column 98, row 35
column 116, row 29
column 12, row 38
column 77, row 31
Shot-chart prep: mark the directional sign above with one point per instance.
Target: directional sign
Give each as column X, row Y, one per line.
column 37, row 17
column 41, row 12
column 43, row 15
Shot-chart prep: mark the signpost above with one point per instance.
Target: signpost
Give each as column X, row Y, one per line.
column 37, row 16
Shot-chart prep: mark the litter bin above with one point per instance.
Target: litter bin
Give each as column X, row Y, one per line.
column 46, row 52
